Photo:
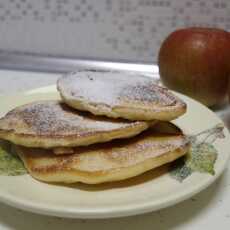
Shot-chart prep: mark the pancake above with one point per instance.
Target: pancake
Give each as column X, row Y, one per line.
column 115, row 94
column 50, row 124
column 107, row 162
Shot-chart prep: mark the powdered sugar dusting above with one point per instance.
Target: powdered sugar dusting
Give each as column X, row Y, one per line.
column 111, row 88
column 55, row 118
column 147, row 148
column 146, row 92
column 128, row 154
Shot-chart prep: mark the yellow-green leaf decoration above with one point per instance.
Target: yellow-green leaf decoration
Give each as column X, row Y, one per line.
column 201, row 156
column 10, row 164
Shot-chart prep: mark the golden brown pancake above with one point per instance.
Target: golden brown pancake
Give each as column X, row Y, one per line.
column 49, row 124
column 114, row 94
column 113, row 161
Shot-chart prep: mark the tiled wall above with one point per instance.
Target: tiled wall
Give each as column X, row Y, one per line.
column 111, row 29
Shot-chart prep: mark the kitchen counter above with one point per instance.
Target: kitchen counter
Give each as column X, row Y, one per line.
column 209, row 209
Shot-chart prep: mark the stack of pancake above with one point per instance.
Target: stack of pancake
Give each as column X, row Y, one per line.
column 108, row 127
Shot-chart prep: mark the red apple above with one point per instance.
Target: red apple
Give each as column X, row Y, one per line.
column 196, row 61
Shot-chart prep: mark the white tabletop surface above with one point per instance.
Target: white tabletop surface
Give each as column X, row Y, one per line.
column 210, row 209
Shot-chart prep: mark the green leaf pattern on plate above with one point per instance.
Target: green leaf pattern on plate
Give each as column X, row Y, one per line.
column 201, row 156
column 10, row 164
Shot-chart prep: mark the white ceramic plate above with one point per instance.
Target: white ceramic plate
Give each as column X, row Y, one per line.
column 142, row 194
